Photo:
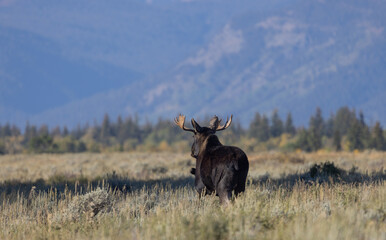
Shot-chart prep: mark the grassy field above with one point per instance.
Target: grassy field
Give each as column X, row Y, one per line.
column 151, row 196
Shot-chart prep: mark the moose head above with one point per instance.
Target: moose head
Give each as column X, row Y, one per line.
column 201, row 134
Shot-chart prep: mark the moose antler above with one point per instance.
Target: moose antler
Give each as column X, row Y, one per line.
column 180, row 121
column 216, row 123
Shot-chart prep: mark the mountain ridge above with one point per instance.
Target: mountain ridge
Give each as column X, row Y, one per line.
column 293, row 58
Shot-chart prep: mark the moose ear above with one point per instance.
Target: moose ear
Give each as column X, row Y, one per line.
column 196, row 126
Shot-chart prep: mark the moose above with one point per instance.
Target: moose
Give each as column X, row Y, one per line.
column 219, row 169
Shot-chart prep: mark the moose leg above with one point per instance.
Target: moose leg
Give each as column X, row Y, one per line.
column 202, row 189
column 239, row 188
column 224, row 189
column 225, row 197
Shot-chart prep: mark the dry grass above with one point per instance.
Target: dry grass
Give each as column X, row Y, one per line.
column 158, row 201
column 160, row 165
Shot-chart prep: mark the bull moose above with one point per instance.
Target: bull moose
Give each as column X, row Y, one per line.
column 219, row 169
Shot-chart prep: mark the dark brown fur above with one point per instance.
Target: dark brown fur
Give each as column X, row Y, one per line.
column 219, row 169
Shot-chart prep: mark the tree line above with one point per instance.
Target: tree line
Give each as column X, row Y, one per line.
column 344, row 130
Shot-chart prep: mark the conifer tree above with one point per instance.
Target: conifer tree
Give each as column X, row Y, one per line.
column 355, row 136
column 344, row 118
column 105, row 129
column 6, row 130
column 27, row 130
column 132, row 129
column 147, row 128
column 237, row 131
column 120, row 132
column 317, row 121
column 43, row 130
column 303, row 140
column 362, row 118
column 366, row 135
column 78, row 132
column 29, row 133
column 254, row 126
column 289, row 127
column 15, row 131
column 277, row 124
column 65, row 131
column 329, row 127
column 263, row 130
column 378, row 140
column 56, row 132
column 314, row 139
column 316, row 130
column 337, row 140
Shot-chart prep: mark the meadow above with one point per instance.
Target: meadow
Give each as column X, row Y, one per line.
column 151, row 196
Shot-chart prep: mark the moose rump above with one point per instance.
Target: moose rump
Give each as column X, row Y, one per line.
column 220, row 169
column 225, row 170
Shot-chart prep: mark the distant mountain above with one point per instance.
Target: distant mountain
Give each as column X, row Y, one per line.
column 72, row 63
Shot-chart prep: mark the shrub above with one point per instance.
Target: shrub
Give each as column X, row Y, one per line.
column 325, row 169
column 87, row 206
